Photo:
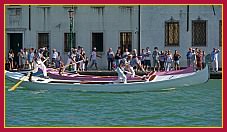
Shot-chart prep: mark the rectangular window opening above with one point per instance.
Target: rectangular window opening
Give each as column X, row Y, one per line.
column 199, row 32
column 97, row 41
column 43, row 40
column 126, row 41
column 69, row 41
column 172, row 33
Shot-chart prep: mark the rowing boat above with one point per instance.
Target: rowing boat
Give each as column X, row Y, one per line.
column 158, row 82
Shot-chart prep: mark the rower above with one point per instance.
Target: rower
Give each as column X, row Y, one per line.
column 38, row 64
column 121, row 73
column 61, row 68
column 71, row 59
column 129, row 70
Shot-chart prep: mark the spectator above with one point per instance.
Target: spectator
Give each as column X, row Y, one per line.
column 142, row 58
column 147, row 61
column 11, row 59
column 110, row 58
column 83, row 59
column 155, row 56
column 118, row 57
column 54, row 57
column 30, row 57
column 176, row 58
column 20, row 55
column 162, row 60
column 214, row 59
column 193, row 59
column 126, row 53
column 24, row 58
column 199, row 58
column 93, row 58
column 189, row 57
column 169, row 60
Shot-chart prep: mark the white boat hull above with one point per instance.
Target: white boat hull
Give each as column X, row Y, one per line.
column 159, row 83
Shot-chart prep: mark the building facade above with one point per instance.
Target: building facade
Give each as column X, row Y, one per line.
column 168, row 27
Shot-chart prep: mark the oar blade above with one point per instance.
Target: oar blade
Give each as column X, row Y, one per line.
column 17, row 84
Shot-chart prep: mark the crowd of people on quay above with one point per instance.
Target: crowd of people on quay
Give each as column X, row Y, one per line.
column 162, row 60
column 78, row 60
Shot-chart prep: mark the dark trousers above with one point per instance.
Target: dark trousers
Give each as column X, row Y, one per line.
column 110, row 64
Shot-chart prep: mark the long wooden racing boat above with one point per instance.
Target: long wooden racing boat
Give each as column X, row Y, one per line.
column 158, row 82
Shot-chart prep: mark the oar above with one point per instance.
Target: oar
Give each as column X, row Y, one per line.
column 22, row 79
column 150, row 78
column 18, row 83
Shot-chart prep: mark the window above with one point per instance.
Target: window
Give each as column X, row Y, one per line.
column 67, row 44
column 98, row 9
column 171, row 33
column 43, row 40
column 199, row 33
column 220, row 32
column 15, row 16
column 126, row 41
column 97, row 41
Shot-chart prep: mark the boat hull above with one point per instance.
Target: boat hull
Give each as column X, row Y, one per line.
column 159, row 83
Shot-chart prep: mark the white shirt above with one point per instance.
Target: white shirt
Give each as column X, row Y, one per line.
column 93, row 55
column 214, row 55
column 169, row 58
column 147, row 55
column 125, row 54
column 55, row 55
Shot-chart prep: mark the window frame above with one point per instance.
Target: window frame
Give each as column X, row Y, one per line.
column 129, row 46
column 15, row 16
column 195, row 44
column 98, row 49
column 40, row 43
column 66, row 42
column 167, row 34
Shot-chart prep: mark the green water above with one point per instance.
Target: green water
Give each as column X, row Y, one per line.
column 194, row 106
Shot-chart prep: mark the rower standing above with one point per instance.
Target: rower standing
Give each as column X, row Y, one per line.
column 121, row 73
column 71, row 60
column 38, row 64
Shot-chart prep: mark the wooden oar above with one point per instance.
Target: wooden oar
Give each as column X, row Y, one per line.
column 22, row 79
column 18, row 83
column 152, row 77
